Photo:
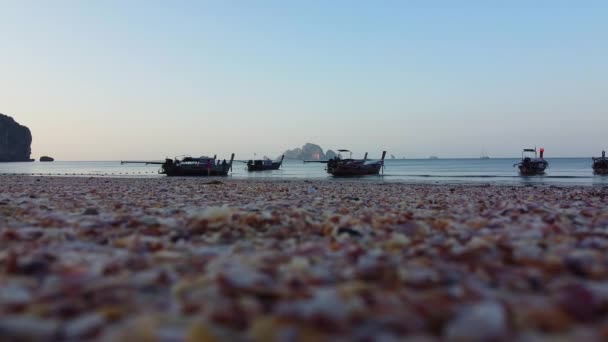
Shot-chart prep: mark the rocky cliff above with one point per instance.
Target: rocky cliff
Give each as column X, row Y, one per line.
column 15, row 140
column 309, row 152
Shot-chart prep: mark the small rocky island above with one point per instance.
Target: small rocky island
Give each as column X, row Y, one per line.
column 46, row 159
column 15, row 141
column 309, row 152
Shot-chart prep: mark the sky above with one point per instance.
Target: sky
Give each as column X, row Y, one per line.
column 112, row 80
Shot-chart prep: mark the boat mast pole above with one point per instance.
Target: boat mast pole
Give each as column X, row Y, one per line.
column 231, row 159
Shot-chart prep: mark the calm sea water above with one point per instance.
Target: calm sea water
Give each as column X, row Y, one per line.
column 501, row 170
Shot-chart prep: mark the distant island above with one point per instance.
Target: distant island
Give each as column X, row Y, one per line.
column 15, row 141
column 309, row 152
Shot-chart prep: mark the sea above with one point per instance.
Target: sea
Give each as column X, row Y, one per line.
column 561, row 171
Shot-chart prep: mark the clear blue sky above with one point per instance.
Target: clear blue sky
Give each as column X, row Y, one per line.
column 106, row 80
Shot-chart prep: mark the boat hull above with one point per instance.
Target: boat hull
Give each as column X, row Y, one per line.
column 179, row 171
column 354, row 169
column 273, row 166
column 600, row 166
column 533, row 168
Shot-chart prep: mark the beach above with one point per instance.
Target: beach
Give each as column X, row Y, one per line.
column 216, row 259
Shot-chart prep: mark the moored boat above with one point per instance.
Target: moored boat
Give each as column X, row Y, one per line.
column 600, row 164
column 344, row 167
column 264, row 164
column 529, row 166
column 484, row 156
column 189, row 166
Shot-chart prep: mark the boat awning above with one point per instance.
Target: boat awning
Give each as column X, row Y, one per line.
column 343, row 151
column 529, row 150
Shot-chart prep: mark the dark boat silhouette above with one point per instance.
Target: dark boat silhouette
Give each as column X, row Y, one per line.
column 529, row 166
column 344, row 167
column 264, row 164
column 189, row 166
column 600, row 164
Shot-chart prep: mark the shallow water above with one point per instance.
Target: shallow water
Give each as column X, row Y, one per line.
column 501, row 171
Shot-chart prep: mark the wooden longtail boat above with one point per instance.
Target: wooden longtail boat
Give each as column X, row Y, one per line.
column 189, row 166
column 529, row 166
column 264, row 164
column 345, row 167
column 600, row 164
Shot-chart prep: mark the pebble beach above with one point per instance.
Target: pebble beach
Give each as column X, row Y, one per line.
column 163, row 259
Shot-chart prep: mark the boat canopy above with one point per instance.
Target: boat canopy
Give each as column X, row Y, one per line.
column 529, row 150
column 343, row 151
column 194, row 160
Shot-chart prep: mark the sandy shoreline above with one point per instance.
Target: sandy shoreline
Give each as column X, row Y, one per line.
column 177, row 259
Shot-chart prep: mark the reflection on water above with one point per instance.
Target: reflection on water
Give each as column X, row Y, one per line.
column 560, row 171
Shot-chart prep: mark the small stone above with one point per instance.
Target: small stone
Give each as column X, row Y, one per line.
column 90, row 211
column 200, row 332
column 84, row 326
column 485, row 321
column 579, row 301
column 214, row 182
column 26, row 328
column 263, row 329
column 14, row 295
column 351, row 232
column 399, row 240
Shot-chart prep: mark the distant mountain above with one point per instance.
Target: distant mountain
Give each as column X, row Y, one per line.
column 15, row 140
column 309, row 152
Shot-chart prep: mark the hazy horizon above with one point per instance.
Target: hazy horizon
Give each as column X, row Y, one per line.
column 147, row 79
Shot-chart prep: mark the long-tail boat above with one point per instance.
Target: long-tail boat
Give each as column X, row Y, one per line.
column 600, row 164
column 344, row 167
column 264, row 164
column 189, row 166
column 529, row 165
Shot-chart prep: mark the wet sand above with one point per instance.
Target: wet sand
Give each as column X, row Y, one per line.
column 220, row 259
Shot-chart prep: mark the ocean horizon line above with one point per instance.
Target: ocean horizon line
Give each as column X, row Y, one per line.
column 387, row 159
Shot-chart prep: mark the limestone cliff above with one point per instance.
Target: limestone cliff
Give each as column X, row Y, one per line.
column 15, row 140
column 309, row 152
